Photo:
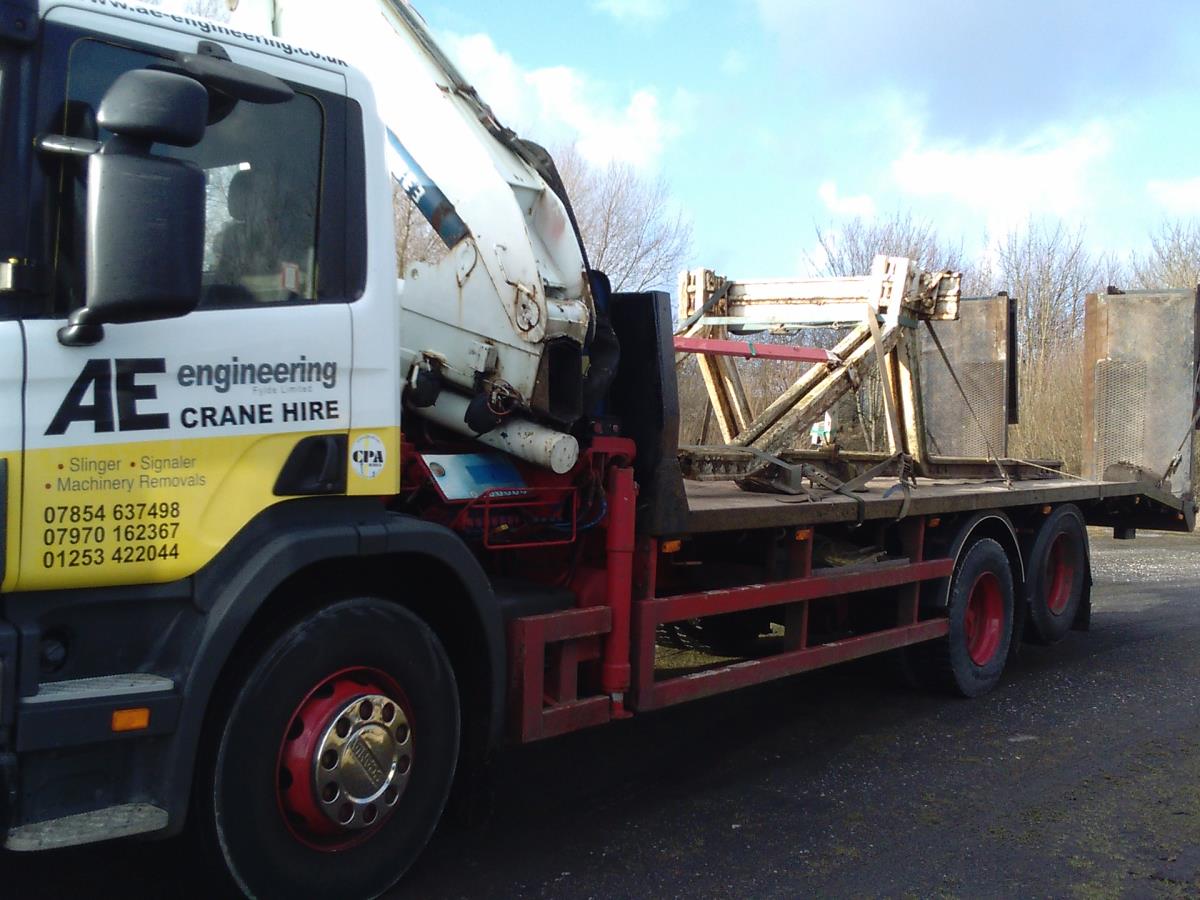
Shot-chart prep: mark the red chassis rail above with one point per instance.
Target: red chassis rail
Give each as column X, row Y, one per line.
column 652, row 693
column 546, row 652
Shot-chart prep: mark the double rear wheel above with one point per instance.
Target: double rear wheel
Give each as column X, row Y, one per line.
column 981, row 605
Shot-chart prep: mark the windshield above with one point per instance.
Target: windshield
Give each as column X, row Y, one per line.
column 262, row 166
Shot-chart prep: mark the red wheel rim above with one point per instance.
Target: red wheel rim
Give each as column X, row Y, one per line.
column 985, row 619
column 345, row 759
column 1060, row 574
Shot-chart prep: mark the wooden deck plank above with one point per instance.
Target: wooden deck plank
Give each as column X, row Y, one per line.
column 723, row 506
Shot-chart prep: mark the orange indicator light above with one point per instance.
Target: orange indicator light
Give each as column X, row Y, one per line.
column 135, row 719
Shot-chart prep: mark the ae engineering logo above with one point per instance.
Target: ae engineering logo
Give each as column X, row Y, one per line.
column 112, row 394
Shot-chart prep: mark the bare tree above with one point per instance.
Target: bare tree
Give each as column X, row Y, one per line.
column 416, row 241
column 1173, row 260
column 629, row 226
column 1050, row 270
column 851, row 248
column 217, row 10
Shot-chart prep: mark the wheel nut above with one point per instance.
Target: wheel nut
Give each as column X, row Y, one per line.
column 401, row 733
column 329, row 759
column 343, row 727
column 366, row 710
column 329, row 793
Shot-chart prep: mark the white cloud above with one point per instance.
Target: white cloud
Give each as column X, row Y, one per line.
column 861, row 206
column 635, row 10
column 778, row 12
column 561, row 104
column 1049, row 172
column 1179, row 198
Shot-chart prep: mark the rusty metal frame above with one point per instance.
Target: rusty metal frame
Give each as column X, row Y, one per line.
column 721, row 380
column 751, row 350
column 886, row 306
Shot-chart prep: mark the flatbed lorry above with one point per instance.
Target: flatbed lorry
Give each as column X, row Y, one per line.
column 291, row 536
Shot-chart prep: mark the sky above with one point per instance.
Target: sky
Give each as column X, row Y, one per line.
column 768, row 117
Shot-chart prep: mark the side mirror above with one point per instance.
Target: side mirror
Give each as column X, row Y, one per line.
column 145, row 213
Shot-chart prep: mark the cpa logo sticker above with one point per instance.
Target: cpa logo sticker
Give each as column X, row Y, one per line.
column 367, row 456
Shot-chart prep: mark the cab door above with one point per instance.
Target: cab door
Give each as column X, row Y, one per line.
column 12, row 366
column 147, row 452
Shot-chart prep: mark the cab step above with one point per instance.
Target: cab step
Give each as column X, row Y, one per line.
column 102, row 686
column 84, row 710
column 87, row 827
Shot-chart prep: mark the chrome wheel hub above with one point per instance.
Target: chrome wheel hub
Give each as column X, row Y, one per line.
column 362, row 762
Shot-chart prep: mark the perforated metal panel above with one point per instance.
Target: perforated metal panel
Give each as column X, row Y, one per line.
column 972, row 421
column 1141, row 353
column 1120, row 413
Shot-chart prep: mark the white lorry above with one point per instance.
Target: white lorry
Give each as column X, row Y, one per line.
column 236, row 598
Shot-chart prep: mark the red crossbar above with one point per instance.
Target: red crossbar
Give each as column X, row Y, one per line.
column 795, row 594
column 655, row 695
column 756, row 596
column 751, row 350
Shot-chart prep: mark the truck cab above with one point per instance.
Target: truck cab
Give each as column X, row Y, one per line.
column 145, row 441
column 183, row 415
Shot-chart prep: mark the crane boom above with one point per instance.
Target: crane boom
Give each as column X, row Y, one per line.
column 511, row 277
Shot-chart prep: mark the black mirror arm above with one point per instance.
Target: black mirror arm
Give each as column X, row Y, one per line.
column 211, row 66
column 82, row 329
column 65, row 145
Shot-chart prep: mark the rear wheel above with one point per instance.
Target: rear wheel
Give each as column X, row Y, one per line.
column 332, row 765
column 970, row 659
column 1057, row 569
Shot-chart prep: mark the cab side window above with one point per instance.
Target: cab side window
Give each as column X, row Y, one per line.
column 262, row 164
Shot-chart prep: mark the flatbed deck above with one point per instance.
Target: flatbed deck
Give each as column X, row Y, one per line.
column 722, row 506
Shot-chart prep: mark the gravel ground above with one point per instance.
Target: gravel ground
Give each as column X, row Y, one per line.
column 1078, row 776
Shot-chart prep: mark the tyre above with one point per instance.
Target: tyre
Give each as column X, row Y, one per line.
column 331, row 764
column 970, row 659
column 1057, row 569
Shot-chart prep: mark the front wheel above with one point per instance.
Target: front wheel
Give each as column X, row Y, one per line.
column 334, row 759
